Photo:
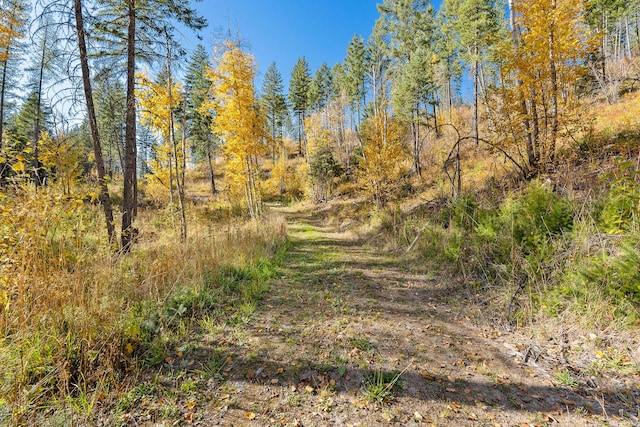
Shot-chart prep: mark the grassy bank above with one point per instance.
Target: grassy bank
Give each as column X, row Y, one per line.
column 76, row 320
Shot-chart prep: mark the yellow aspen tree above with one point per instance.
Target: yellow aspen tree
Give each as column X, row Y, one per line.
column 383, row 155
column 238, row 122
column 542, row 65
column 156, row 105
column 63, row 156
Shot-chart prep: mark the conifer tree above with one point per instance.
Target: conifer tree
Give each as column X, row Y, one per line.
column 410, row 27
column 299, row 87
column 148, row 17
column 356, row 73
column 479, row 28
column 320, row 89
column 199, row 120
column 275, row 106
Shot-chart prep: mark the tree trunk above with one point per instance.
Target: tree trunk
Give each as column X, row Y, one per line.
column 515, row 35
column 416, row 146
column 554, row 92
column 476, row 72
column 93, row 123
column 211, row 176
column 37, row 179
column 129, row 173
column 2, row 94
column 174, row 144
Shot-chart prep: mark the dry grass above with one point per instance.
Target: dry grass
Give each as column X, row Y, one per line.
column 70, row 310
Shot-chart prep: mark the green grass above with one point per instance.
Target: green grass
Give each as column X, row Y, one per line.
column 564, row 378
column 380, row 386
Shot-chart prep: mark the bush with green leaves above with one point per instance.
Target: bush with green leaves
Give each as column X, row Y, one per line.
column 323, row 170
column 621, row 209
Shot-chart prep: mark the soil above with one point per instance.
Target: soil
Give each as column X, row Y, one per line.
column 351, row 336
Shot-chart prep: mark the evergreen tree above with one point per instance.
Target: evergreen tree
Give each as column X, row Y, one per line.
column 320, row 90
column 410, row 28
column 479, row 27
column 377, row 64
column 198, row 86
column 355, row 67
column 274, row 101
column 299, row 86
column 449, row 67
column 144, row 20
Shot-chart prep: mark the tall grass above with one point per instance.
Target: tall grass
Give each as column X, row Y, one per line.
column 75, row 316
column 542, row 254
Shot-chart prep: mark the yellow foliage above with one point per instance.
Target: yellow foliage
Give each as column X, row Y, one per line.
column 238, row 122
column 63, row 156
column 540, row 70
column 317, row 135
column 381, row 165
column 12, row 13
column 157, row 104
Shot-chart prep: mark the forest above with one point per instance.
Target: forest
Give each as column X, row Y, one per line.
column 441, row 229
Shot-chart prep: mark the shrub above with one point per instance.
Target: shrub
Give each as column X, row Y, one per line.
column 622, row 204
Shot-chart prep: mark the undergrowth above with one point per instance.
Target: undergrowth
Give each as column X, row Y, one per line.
column 547, row 254
column 76, row 320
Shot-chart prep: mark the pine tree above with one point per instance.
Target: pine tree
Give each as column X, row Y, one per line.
column 148, row 17
column 299, row 87
column 275, row 107
column 410, row 28
column 320, row 90
column 479, row 28
column 200, row 120
column 449, row 67
column 356, row 73
column 92, row 119
column 377, row 64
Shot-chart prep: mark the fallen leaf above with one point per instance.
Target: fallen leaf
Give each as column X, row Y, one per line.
column 427, row 376
column 191, row 404
column 450, row 389
column 309, row 389
column 275, row 381
column 418, row 416
column 128, row 348
column 228, row 359
column 250, row 415
column 188, row 417
column 250, row 375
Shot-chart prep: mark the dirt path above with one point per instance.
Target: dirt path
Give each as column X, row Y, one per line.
column 350, row 337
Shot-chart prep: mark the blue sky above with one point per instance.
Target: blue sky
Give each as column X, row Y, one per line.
column 284, row 30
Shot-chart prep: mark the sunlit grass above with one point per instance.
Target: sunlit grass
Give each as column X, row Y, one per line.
column 75, row 317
